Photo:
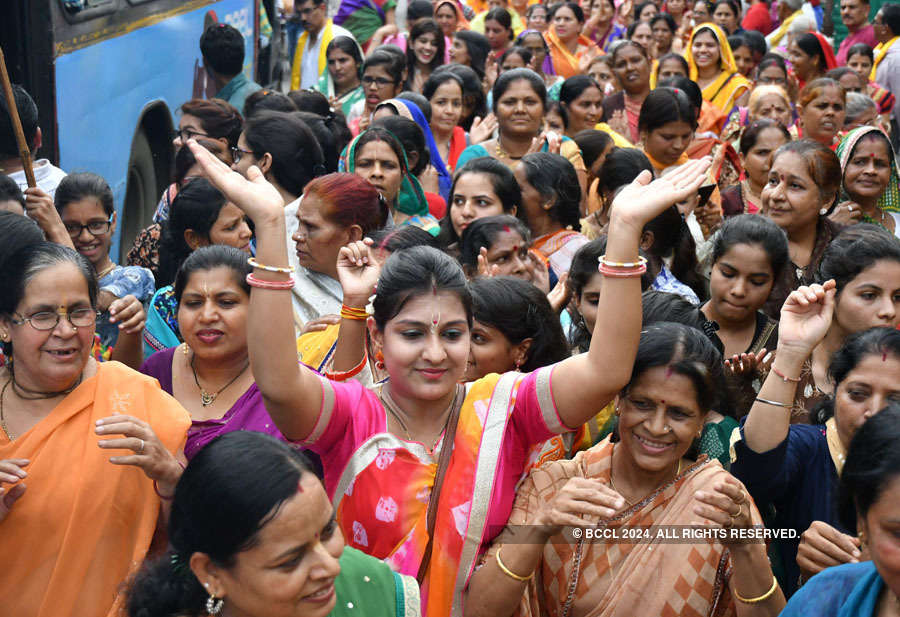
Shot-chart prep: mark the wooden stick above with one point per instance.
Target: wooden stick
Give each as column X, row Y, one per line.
column 24, row 150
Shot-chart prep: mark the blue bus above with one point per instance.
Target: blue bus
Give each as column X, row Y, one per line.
column 108, row 76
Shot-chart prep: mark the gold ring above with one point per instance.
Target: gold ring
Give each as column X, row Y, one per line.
column 739, row 512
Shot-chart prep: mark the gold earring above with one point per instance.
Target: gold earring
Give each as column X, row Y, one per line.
column 185, row 348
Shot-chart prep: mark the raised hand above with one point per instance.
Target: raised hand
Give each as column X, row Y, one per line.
column 129, row 313
column 486, row 268
column 560, row 295
column 749, row 363
column 539, row 272
column 358, row 269
column 40, row 209
column 642, row 200
column 806, row 317
column 253, row 194
column 482, row 129
column 148, row 452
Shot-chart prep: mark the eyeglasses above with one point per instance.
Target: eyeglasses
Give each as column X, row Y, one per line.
column 95, row 228
column 47, row 320
column 237, row 154
column 187, row 133
column 769, row 81
column 381, row 82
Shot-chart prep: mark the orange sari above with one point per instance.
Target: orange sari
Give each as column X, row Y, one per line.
column 83, row 525
column 565, row 62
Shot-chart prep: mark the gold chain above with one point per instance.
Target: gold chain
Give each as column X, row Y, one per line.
column 612, row 484
column 2, row 417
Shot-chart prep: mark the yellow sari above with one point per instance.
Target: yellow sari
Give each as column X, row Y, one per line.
column 730, row 84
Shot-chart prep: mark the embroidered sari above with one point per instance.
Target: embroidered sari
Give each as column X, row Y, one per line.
column 83, row 525
column 730, row 85
column 380, row 484
column 565, row 62
column 614, row 578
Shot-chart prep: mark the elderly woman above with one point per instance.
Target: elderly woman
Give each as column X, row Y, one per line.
column 820, row 108
column 870, row 182
column 68, row 503
column 643, row 475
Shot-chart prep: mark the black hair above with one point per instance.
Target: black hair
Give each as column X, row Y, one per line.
column 671, row 236
column 503, row 182
column 478, row 48
column 419, row 9
column 592, row 144
column 420, row 101
column 483, row 232
column 840, row 71
column 266, row 99
column 555, row 107
column 311, row 101
column 575, row 86
column 737, row 40
column 751, row 134
column 890, row 15
column 296, row 157
column 380, row 133
column 623, row 44
column 412, row 272
column 629, row 33
column 756, row 230
column 772, row 59
column 855, row 249
column 686, row 85
column 531, row 8
column 394, row 64
column 554, row 178
column 756, row 41
column 207, row 258
column 16, row 232
column 349, row 47
column 10, row 191
column 218, row 118
column 473, row 94
column 184, row 161
column 426, row 26
column 735, row 9
column 502, row 17
column 872, row 463
column 638, row 9
column 621, row 167
column 438, row 79
column 229, row 491
column 222, row 47
column 78, row 186
column 507, row 78
column 310, row 104
column 810, row 45
column 20, row 267
column 411, row 138
column 877, row 341
column 516, row 50
column 665, row 105
column 323, row 131
column 520, row 311
column 670, row 21
column 678, row 58
column 572, row 6
column 196, row 207
column 28, row 116
column 861, row 49
column 399, row 238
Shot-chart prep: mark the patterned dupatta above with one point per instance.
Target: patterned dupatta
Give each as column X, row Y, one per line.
column 465, row 495
column 599, row 579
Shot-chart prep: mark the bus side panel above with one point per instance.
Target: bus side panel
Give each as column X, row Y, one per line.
column 102, row 90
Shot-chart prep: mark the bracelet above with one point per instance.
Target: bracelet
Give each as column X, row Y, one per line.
column 642, row 261
column 252, row 261
column 276, row 285
column 776, row 403
column 356, row 314
column 761, row 598
column 621, row 273
column 345, row 375
column 160, row 495
column 784, row 377
column 508, row 572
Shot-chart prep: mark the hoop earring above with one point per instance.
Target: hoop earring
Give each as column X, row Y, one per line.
column 214, row 604
column 379, row 360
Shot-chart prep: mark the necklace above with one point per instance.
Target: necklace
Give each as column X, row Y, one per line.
column 106, row 271
column 501, row 153
column 394, row 410
column 207, row 398
column 612, row 484
column 2, row 418
column 36, row 395
column 750, row 198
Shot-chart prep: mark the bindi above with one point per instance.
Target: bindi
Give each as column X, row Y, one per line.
column 435, row 315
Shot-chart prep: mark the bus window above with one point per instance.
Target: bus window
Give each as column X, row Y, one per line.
column 82, row 10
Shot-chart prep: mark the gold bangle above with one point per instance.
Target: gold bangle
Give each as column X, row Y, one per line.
column 507, row 571
column 255, row 264
column 761, row 598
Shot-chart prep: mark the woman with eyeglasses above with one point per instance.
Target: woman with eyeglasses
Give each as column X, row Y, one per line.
column 85, row 205
column 88, row 450
column 382, row 79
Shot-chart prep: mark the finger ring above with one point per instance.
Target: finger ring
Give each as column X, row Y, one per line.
column 141, row 451
column 739, row 512
column 849, row 208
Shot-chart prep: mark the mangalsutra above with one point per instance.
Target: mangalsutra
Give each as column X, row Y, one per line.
column 2, row 417
column 612, row 484
column 501, row 153
column 208, row 398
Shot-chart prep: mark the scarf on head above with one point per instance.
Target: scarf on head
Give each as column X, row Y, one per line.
column 890, row 199
column 461, row 22
column 830, row 60
column 730, row 84
column 564, row 61
column 547, row 66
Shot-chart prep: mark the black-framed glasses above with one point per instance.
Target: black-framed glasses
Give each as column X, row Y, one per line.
column 95, row 228
column 47, row 320
column 381, row 82
column 237, row 154
column 188, row 133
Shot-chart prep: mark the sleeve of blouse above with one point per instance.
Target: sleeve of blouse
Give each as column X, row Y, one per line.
column 534, row 414
column 569, row 149
column 770, row 475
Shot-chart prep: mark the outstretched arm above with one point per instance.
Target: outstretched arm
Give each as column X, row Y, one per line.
column 583, row 384
column 292, row 392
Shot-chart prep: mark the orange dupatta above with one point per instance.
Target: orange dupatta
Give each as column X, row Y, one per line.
column 565, row 62
column 83, row 524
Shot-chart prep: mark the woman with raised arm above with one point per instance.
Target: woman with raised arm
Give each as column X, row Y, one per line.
column 382, row 450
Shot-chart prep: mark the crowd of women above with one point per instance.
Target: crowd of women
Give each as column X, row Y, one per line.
column 386, row 345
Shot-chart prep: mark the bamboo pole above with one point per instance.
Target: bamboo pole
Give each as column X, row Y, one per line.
column 24, row 150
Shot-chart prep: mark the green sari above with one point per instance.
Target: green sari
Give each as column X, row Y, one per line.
column 367, row 586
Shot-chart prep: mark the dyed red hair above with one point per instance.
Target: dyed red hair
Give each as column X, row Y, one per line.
column 351, row 200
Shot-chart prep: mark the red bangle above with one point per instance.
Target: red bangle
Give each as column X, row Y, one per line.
column 345, row 375
column 622, row 273
column 275, row 285
column 784, row 377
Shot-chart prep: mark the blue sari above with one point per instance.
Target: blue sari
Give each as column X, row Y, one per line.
column 849, row 590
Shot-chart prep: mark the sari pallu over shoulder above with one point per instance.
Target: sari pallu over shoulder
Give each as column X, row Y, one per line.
column 610, row 579
column 83, row 525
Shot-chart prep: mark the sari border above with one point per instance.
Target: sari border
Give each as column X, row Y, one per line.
column 409, row 603
column 485, row 475
column 325, row 413
column 544, row 391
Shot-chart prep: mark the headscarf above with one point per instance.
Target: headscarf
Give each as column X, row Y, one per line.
column 461, row 22
column 730, row 84
column 890, row 199
column 547, row 66
column 726, row 58
column 830, row 60
column 411, row 111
